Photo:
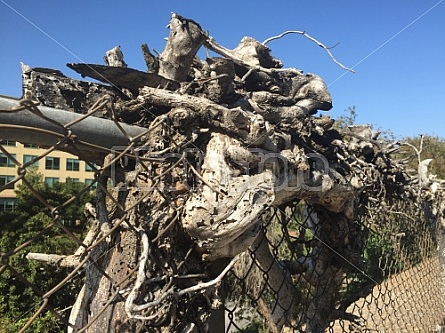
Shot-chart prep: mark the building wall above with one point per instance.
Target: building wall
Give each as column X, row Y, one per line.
column 68, row 166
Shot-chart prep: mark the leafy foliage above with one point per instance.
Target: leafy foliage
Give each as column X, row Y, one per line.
column 17, row 300
column 432, row 147
column 346, row 119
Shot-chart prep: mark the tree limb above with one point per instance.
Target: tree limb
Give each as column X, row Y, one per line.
column 327, row 49
column 185, row 39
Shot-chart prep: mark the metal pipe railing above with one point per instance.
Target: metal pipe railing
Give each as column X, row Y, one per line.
column 25, row 126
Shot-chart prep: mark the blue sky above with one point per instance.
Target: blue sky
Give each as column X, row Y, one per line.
column 397, row 48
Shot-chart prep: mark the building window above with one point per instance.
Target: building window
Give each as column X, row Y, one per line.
column 52, row 163
column 5, row 161
column 72, row 180
column 8, row 143
column 29, row 158
column 72, row 164
column 5, row 180
column 51, row 180
column 30, row 145
column 89, row 181
column 7, row 204
column 89, row 168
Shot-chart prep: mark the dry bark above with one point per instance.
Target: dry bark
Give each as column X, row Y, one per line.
column 52, row 88
column 185, row 39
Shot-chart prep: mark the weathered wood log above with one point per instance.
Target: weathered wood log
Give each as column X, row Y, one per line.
column 249, row 53
column 184, row 41
column 255, row 54
column 151, row 60
column 310, row 95
column 219, row 80
column 54, row 259
column 250, row 128
column 52, row 88
column 223, row 216
column 123, row 77
column 115, row 57
column 324, row 268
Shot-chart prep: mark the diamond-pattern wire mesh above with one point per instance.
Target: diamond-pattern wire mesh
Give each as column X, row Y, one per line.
column 377, row 274
column 390, row 284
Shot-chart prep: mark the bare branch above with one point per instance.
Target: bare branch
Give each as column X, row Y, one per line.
column 55, row 259
column 131, row 307
column 299, row 32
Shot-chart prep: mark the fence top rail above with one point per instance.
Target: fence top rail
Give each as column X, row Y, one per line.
column 20, row 124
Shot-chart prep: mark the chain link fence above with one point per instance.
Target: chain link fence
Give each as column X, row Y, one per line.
column 379, row 273
column 388, row 281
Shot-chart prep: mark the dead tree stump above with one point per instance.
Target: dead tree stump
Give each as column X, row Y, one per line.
column 228, row 137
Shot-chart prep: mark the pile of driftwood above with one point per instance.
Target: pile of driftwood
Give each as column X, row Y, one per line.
column 229, row 137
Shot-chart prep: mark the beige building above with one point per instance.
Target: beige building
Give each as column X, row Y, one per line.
column 55, row 167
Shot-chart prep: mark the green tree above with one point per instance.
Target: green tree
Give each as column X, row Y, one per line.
column 17, row 300
column 347, row 119
column 432, row 147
